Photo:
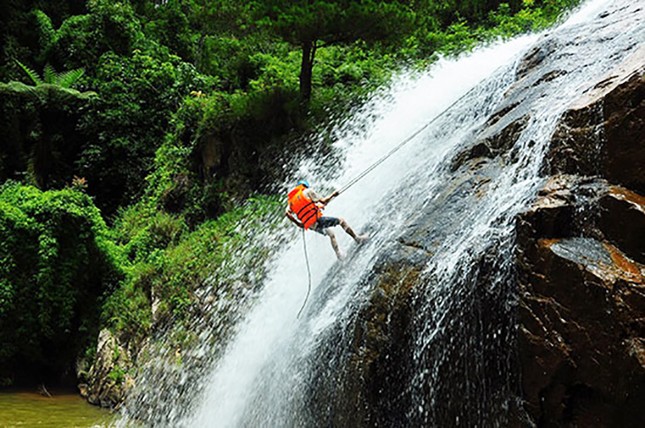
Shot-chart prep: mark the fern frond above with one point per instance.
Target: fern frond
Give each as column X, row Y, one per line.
column 31, row 73
column 69, row 78
column 49, row 75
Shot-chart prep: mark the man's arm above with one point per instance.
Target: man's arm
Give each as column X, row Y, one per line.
column 324, row 201
column 291, row 217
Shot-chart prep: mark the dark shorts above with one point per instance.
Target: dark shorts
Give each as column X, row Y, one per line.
column 325, row 222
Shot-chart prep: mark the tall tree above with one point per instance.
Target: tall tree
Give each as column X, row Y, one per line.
column 313, row 24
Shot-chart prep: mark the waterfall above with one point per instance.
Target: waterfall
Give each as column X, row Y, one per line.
column 441, row 229
column 271, row 335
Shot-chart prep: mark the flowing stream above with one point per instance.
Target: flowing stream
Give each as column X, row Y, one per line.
column 280, row 371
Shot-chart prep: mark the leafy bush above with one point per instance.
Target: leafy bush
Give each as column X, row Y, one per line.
column 213, row 155
column 56, row 261
column 171, row 270
column 138, row 95
column 110, row 26
column 117, row 375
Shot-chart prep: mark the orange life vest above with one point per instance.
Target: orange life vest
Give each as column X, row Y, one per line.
column 303, row 207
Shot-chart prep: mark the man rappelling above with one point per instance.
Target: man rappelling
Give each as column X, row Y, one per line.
column 304, row 209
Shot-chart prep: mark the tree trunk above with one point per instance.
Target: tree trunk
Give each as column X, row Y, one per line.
column 306, row 67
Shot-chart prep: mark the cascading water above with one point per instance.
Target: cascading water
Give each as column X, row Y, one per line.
column 441, row 225
column 272, row 330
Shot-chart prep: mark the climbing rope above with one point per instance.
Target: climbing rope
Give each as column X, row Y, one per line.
column 399, row 146
column 304, row 243
column 380, row 161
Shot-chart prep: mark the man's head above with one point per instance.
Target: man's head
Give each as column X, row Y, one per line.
column 303, row 183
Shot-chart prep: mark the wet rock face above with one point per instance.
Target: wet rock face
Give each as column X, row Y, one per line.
column 380, row 337
column 603, row 133
column 580, row 256
column 582, row 310
column 622, row 221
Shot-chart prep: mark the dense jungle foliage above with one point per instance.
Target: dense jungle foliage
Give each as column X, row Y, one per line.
column 133, row 131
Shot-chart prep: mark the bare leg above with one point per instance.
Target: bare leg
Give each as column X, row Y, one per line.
column 334, row 243
column 350, row 231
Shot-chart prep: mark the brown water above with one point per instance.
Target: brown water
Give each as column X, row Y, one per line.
column 65, row 409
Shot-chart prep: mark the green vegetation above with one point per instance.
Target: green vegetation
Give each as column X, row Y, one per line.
column 168, row 260
column 126, row 176
column 64, row 80
column 56, row 263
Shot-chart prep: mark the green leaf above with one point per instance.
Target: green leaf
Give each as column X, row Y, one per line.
column 69, row 78
column 49, row 75
column 31, row 73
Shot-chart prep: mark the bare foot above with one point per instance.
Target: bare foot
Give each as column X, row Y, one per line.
column 362, row 238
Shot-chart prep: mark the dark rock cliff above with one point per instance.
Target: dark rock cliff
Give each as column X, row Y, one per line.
column 580, row 258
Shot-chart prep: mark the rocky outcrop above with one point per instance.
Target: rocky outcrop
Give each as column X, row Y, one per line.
column 582, row 310
column 380, row 338
column 603, row 132
column 622, row 221
column 107, row 380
